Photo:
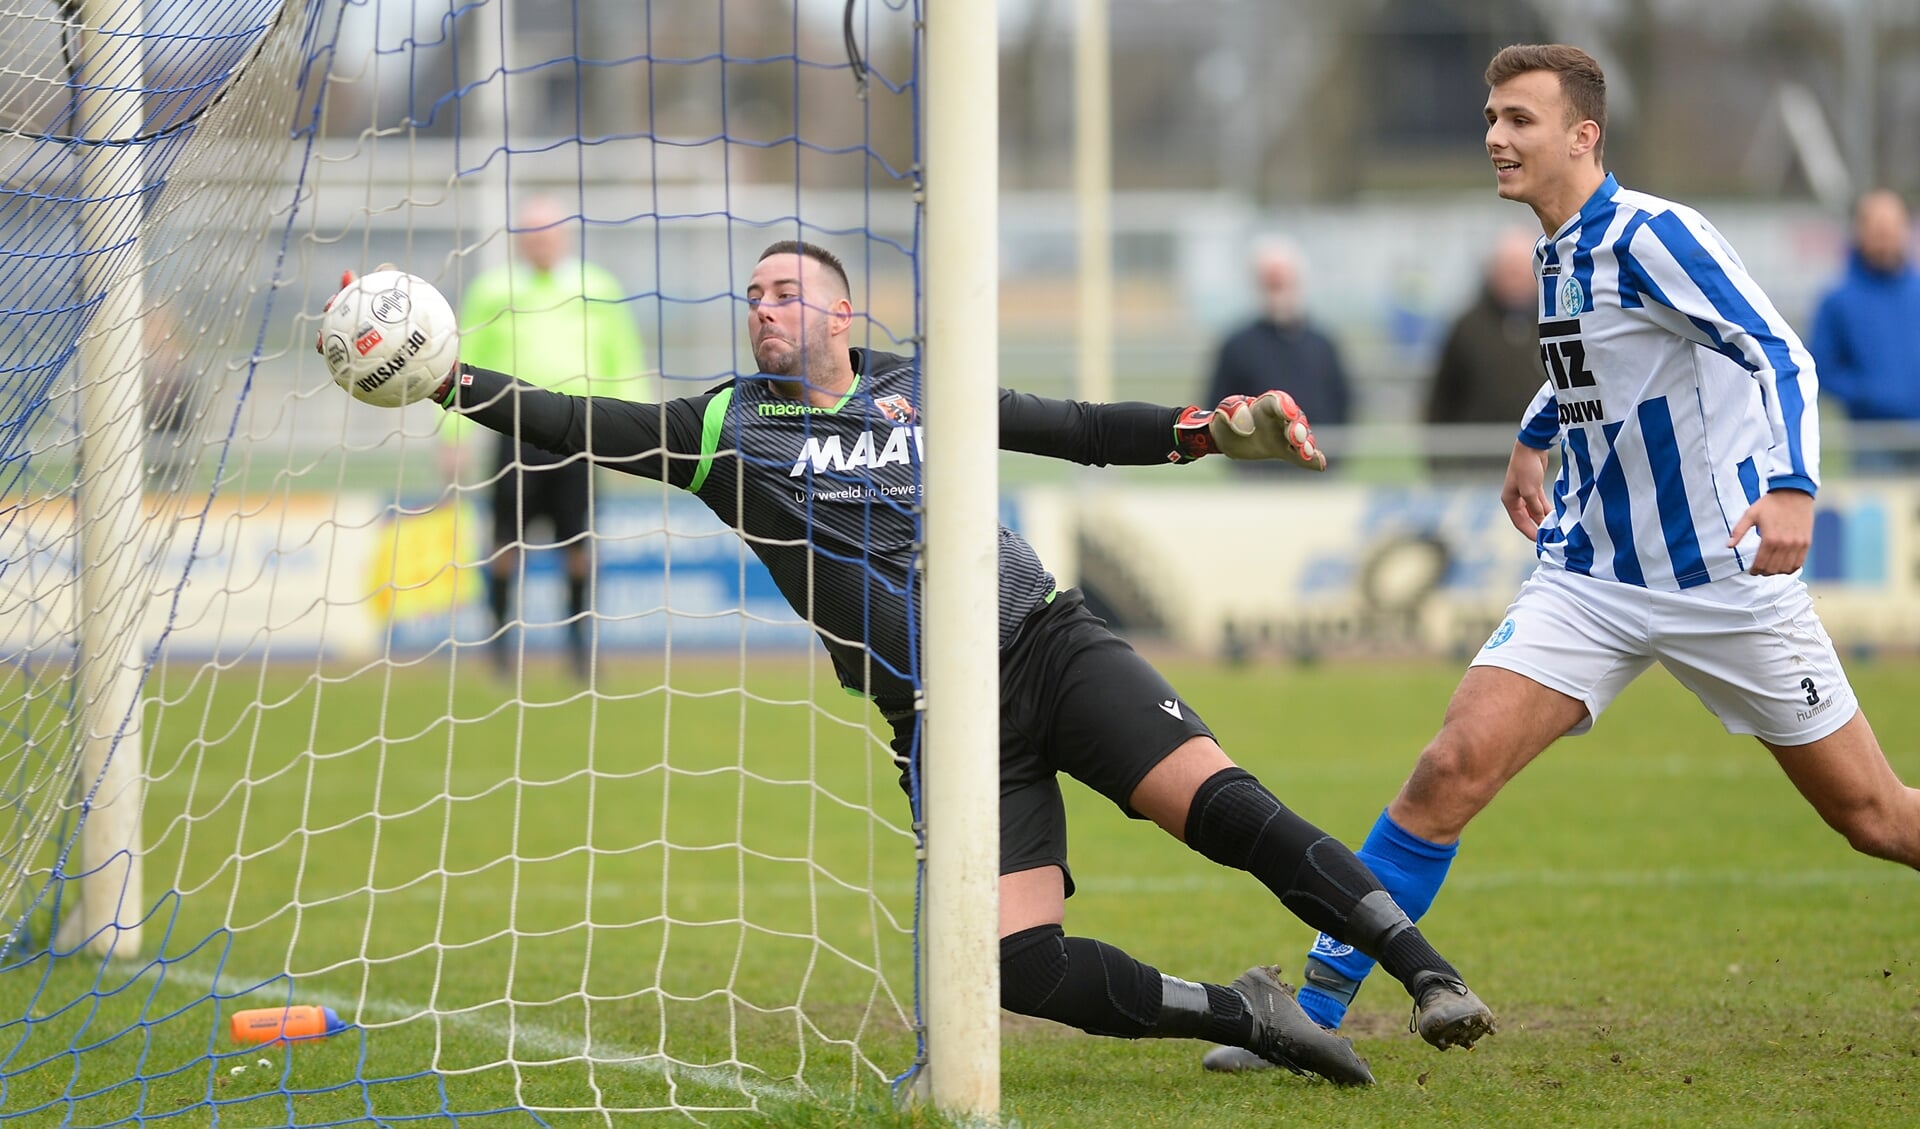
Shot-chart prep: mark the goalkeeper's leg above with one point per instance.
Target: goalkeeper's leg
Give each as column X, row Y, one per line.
column 1223, row 813
column 1094, row 986
column 1114, row 723
column 1101, row 990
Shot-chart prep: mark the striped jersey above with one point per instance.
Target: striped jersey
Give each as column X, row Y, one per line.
column 828, row 497
column 1675, row 391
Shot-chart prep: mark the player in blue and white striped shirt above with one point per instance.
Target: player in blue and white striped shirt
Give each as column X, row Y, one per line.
column 1683, row 409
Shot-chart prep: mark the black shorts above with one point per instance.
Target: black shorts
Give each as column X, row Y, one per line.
column 1074, row 698
column 532, row 489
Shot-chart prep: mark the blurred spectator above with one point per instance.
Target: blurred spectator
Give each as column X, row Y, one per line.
column 554, row 320
column 167, row 407
column 1281, row 349
column 1490, row 365
column 1862, row 342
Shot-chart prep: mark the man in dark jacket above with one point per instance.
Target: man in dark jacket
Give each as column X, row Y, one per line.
column 1281, row 346
column 1490, row 366
column 1863, row 333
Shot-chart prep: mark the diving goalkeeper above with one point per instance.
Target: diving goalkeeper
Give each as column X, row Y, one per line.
column 814, row 461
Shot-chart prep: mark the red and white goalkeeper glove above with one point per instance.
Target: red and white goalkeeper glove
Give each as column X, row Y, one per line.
column 1267, row 426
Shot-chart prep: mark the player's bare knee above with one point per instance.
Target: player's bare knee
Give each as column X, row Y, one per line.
column 1447, row 788
column 1872, row 840
column 1885, row 838
column 1881, row 831
column 1450, row 773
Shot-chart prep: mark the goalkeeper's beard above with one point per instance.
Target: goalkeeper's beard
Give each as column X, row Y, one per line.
column 803, row 363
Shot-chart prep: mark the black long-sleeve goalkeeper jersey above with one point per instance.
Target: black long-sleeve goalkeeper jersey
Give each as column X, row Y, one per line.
column 826, row 497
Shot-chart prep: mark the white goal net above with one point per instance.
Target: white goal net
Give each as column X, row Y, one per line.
column 627, row 847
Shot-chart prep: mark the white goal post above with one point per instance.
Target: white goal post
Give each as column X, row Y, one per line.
column 107, row 488
column 962, row 660
column 257, row 756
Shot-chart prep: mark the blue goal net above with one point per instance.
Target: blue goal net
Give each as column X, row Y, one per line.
column 361, row 765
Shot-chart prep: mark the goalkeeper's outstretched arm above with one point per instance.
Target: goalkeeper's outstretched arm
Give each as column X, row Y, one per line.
column 659, row 441
column 1267, row 426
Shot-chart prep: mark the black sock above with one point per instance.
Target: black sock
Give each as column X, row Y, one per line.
column 1237, row 822
column 1408, row 953
column 1099, row 989
column 499, row 595
column 577, row 617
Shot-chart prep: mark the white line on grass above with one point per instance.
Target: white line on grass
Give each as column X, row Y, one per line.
column 1684, row 876
column 1469, row 879
column 544, row 1040
column 1204, row 880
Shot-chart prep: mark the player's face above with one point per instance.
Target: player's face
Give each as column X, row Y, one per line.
column 788, row 331
column 1528, row 138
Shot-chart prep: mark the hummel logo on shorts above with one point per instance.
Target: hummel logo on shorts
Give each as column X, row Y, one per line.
column 1172, row 706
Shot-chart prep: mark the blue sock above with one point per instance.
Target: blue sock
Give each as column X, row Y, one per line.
column 1411, row 869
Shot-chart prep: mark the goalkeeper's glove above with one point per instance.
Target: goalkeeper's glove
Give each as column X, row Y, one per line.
column 1267, row 426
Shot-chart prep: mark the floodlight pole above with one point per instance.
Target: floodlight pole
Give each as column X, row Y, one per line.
column 107, row 501
column 1093, row 196
column 961, row 666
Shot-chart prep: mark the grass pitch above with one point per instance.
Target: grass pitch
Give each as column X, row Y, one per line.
column 701, row 899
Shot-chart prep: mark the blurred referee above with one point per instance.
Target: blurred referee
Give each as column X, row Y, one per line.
column 557, row 321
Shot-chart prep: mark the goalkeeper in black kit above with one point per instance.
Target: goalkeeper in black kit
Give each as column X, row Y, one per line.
column 814, row 460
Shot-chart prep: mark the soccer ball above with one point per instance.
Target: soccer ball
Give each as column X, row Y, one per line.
column 389, row 338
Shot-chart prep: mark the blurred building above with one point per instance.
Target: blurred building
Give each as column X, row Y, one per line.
column 1297, row 100
column 1277, row 100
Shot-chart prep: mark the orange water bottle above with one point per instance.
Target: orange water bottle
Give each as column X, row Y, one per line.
column 284, row 1024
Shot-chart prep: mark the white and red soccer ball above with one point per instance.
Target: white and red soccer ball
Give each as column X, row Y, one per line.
column 389, row 338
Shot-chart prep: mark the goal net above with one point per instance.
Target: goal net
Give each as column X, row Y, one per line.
column 267, row 744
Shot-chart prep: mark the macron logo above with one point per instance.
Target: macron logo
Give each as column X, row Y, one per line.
column 1171, row 706
column 823, row 453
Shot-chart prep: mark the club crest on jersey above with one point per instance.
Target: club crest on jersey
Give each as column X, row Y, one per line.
column 1573, row 298
column 896, row 408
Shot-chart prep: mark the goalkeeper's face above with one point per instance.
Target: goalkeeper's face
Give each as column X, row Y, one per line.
column 794, row 313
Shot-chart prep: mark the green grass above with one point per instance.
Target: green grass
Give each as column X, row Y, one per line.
column 1669, row 935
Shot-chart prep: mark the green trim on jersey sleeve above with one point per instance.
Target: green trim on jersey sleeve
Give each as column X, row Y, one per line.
column 710, row 425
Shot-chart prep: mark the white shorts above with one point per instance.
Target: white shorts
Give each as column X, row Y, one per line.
column 1750, row 647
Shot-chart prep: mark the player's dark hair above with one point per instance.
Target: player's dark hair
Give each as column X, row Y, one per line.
column 1582, row 83
column 812, row 251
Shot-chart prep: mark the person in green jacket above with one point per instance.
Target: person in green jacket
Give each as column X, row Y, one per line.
column 556, row 320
